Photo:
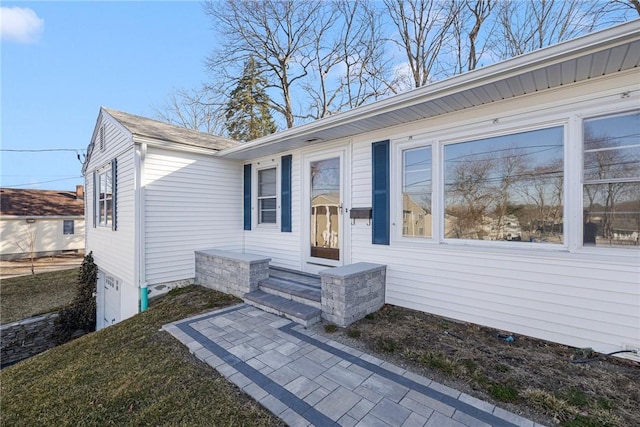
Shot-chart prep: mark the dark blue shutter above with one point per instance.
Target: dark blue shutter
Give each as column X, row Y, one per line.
column 380, row 196
column 247, row 197
column 114, row 194
column 285, row 194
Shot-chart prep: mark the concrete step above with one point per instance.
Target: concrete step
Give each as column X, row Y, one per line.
column 293, row 310
column 309, row 295
column 295, row 276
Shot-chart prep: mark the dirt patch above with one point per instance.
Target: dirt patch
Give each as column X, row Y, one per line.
column 22, row 267
column 537, row 379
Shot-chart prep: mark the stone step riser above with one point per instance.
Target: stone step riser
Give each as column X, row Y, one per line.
column 303, row 322
column 296, row 298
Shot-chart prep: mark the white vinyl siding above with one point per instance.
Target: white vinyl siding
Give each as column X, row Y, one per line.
column 283, row 248
column 562, row 293
column 191, row 202
column 114, row 252
column 48, row 232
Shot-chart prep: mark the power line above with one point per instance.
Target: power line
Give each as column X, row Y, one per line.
column 41, row 182
column 42, row 150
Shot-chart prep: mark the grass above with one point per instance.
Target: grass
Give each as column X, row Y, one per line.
column 131, row 373
column 31, row 295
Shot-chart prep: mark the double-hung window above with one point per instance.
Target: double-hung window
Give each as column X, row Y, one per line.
column 104, row 208
column 611, row 181
column 416, row 192
column 507, row 187
column 267, row 199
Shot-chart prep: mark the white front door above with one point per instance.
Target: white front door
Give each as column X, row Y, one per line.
column 323, row 199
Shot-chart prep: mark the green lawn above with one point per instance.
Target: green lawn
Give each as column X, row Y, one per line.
column 131, row 373
column 27, row 296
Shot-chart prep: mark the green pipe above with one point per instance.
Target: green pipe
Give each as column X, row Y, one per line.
column 144, row 298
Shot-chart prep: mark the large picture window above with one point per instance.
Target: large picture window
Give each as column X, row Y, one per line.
column 267, row 200
column 416, row 192
column 611, row 190
column 105, row 198
column 506, row 188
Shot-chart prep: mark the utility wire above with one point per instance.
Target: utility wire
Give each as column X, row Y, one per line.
column 42, row 150
column 41, row 182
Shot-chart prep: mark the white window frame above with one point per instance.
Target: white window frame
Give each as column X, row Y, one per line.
column 397, row 206
column 105, row 220
column 609, row 113
column 260, row 166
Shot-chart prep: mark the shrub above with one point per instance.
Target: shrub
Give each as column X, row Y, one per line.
column 80, row 315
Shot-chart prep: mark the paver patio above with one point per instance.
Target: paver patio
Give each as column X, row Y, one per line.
column 309, row 380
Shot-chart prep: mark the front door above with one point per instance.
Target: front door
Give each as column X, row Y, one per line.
column 324, row 199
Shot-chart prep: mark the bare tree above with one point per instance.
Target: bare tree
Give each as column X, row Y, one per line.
column 472, row 33
column 28, row 243
column 627, row 4
column 199, row 109
column 470, row 196
column 347, row 63
column 278, row 33
column 423, row 29
column 533, row 24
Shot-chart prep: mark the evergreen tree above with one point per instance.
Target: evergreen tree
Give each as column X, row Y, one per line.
column 248, row 113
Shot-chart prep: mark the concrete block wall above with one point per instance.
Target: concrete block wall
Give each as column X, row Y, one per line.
column 230, row 272
column 352, row 291
column 26, row 338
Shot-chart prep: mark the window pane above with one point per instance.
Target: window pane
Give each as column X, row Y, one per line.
column 612, row 214
column 101, row 212
column 67, row 226
column 506, row 188
column 615, row 131
column 108, row 182
column 267, row 182
column 416, row 192
column 267, row 211
column 612, row 164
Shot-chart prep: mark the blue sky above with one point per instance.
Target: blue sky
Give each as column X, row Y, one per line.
column 61, row 64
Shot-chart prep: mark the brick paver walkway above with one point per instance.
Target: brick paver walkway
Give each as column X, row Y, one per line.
column 309, row 380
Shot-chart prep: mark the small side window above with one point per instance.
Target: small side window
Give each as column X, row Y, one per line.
column 68, row 226
column 267, row 200
column 611, row 181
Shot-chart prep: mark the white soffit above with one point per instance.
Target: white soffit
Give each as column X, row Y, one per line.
column 598, row 54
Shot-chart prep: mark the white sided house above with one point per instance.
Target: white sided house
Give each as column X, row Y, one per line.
column 508, row 196
column 155, row 194
column 41, row 223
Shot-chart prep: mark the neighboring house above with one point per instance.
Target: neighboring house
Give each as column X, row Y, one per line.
column 42, row 222
column 538, row 141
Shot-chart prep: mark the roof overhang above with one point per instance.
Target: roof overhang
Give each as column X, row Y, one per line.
column 598, row 54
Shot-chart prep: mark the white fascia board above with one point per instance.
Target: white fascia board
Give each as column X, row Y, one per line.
column 500, row 71
column 174, row 146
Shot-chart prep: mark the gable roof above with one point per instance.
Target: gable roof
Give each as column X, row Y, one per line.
column 23, row 202
column 597, row 54
column 148, row 128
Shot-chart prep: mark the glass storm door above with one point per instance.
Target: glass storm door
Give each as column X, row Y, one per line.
column 325, row 209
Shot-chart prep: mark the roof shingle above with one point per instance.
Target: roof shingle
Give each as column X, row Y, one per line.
column 22, row 202
column 144, row 127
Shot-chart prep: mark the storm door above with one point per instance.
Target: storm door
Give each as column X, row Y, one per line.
column 325, row 211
